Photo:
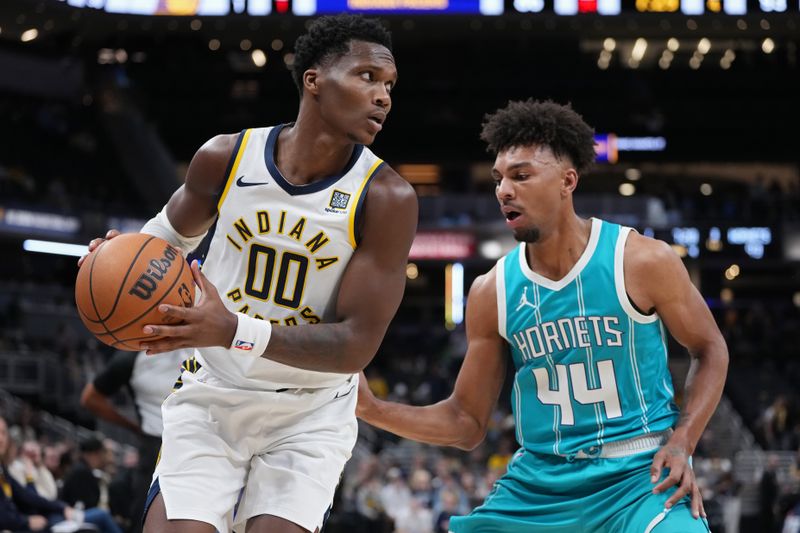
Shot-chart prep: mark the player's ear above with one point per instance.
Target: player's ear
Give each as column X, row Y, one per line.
column 569, row 181
column 310, row 81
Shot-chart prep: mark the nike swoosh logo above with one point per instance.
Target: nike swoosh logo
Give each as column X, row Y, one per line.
column 241, row 183
column 339, row 395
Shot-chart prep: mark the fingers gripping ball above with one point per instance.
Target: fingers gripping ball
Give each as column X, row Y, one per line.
column 121, row 284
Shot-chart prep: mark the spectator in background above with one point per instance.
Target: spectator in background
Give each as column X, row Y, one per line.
column 87, row 481
column 395, row 495
column 448, row 506
column 29, row 471
column 498, row 461
column 149, row 380
column 86, row 484
column 417, row 518
column 377, row 384
column 368, row 497
column 58, row 461
column 421, row 488
column 22, row 509
column 768, row 491
column 778, row 423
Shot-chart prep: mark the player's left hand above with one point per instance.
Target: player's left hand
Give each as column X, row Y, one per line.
column 675, row 457
column 208, row 323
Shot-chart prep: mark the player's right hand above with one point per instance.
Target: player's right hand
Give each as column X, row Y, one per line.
column 675, row 458
column 208, row 323
column 94, row 243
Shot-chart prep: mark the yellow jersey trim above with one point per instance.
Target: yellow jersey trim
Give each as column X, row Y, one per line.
column 237, row 158
column 354, row 209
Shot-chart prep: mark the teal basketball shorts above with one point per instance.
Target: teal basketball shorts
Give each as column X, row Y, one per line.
column 549, row 494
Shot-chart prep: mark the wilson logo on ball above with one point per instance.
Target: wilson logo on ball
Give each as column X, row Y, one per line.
column 148, row 281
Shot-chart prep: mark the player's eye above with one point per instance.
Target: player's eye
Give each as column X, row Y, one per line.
column 367, row 76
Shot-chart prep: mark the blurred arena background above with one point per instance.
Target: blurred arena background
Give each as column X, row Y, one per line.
column 696, row 105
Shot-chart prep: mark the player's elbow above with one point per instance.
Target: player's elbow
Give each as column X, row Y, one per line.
column 715, row 352
column 471, row 442
column 352, row 361
column 357, row 354
column 471, row 432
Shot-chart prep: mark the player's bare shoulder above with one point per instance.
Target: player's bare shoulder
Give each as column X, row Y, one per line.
column 392, row 191
column 648, row 256
column 651, row 268
column 485, row 285
column 391, row 206
column 482, row 304
column 206, row 174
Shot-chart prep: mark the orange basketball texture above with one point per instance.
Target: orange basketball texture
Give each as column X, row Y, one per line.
column 121, row 284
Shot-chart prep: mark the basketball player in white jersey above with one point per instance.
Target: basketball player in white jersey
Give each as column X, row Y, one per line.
column 308, row 234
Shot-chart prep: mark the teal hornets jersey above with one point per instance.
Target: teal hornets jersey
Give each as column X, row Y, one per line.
column 590, row 368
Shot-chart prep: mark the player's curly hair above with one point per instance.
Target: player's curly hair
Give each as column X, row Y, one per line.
column 329, row 37
column 523, row 123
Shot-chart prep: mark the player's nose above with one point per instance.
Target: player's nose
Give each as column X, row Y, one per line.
column 504, row 189
column 382, row 98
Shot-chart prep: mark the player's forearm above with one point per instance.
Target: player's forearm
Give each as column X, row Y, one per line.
column 440, row 424
column 323, row 347
column 101, row 407
column 704, row 384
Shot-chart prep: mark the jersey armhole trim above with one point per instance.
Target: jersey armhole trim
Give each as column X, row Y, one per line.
column 619, row 281
column 361, row 195
column 233, row 164
column 500, row 284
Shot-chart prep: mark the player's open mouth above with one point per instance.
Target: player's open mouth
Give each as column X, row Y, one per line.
column 377, row 120
column 511, row 215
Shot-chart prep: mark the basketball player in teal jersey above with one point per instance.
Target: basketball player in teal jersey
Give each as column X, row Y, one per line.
column 581, row 307
column 308, row 234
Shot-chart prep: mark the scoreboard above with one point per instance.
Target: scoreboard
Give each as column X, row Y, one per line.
column 686, row 7
column 384, row 7
column 405, row 7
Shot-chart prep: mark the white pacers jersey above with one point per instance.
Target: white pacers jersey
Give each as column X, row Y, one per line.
column 278, row 251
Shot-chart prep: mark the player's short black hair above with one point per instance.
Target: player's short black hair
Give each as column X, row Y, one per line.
column 523, row 123
column 329, row 37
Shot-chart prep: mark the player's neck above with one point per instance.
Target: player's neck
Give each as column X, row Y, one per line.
column 306, row 152
column 557, row 250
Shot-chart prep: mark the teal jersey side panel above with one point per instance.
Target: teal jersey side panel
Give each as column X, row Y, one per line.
column 590, row 368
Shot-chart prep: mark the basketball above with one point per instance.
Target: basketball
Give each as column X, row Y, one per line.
column 121, row 284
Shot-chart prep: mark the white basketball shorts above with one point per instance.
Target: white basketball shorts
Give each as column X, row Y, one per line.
column 286, row 450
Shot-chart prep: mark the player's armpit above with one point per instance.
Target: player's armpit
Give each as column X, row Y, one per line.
column 656, row 278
